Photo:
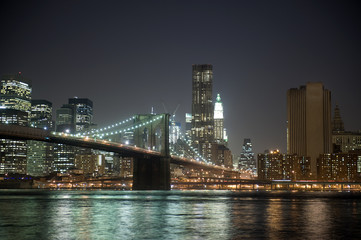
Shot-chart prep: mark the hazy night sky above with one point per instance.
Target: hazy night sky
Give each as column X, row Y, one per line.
column 129, row 56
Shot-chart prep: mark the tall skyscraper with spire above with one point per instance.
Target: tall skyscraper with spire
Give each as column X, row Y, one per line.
column 218, row 120
column 309, row 122
column 337, row 123
column 202, row 109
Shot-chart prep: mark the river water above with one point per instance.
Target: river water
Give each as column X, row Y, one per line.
column 42, row 214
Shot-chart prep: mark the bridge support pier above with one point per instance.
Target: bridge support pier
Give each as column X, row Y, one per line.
column 151, row 173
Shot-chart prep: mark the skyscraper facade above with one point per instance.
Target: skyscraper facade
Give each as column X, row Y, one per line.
column 13, row 152
column 83, row 113
column 65, row 119
column 40, row 154
column 247, row 161
column 218, row 120
column 202, row 109
column 41, row 114
column 16, row 93
column 309, row 122
column 15, row 105
column 64, row 155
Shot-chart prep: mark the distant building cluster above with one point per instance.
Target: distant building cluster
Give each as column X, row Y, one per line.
column 41, row 158
column 205, row 137
column 317, row 147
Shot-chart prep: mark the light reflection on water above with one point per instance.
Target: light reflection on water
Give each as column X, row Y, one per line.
column 34, row 214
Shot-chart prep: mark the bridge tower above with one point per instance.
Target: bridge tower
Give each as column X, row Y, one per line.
column 152, row 173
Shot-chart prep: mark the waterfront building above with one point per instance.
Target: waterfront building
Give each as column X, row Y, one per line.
column 40, row 154
column 218, row 120
column 126, row 167
column 247, row 162
column 339, row 167
column 83, row 114
column 270, row 165
column 309, row 122
column 202, row 131
column 15, row 106
column 93, row 165
column 300, row 167
column 274, row 165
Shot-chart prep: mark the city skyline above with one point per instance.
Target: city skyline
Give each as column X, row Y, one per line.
column 67, row 50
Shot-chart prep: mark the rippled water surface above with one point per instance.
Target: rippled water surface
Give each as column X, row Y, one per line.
column 38, row 214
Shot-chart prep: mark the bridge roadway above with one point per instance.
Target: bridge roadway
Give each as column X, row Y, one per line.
column 28, row 133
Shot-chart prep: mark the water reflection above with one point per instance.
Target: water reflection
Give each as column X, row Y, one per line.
column 176, row 215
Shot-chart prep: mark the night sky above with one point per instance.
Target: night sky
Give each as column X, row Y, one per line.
column 127, row 56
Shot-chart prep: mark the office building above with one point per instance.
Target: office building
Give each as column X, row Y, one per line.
column 15, row 106
column 309, row 122
column 65, row 119
column 40, row 154
column 218, row 120
column 15, row 93
column 83, row 117
column 247, row 162
column 270, row 165
column 64, row 155
column 202, row 132
column 13, row 152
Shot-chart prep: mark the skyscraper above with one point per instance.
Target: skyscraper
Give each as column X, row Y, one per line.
column 41, row 114
column 15, row 105
column 202, row 109
column 218, row 120
column 309, row 122
column 40, row 154
column 65, row 119
column 83, row 113
column 13, row 152
column 16, row 93
column 246, row 159
column 64, row 155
